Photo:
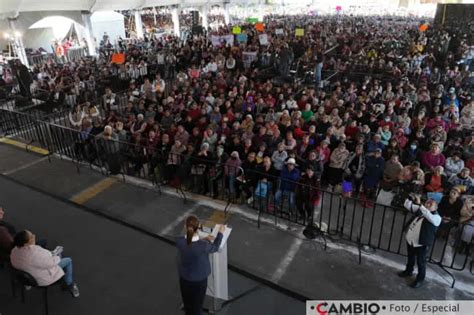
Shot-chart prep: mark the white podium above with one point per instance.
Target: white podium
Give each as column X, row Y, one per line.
column 217, row 283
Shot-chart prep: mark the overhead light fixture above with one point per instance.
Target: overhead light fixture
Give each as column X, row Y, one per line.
column 17, row 34
column 6, row 35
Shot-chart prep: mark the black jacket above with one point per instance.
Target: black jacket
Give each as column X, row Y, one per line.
column 427, row 233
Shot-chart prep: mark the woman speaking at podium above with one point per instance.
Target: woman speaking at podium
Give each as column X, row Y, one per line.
column 194, row 266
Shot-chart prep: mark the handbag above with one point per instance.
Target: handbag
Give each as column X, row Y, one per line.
column 198, row 169
column 385, row 197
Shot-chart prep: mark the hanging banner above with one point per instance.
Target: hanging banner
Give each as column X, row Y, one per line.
column 118, row 58
column 279, row 31
column 263, row 39
column 242, row 38
column 236, row 30
column 299, row 32
column 259, row 27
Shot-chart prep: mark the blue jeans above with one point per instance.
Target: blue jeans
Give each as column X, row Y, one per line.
column 284, row 68
column 232, row 184
column 290, row 194
column 317, row 72
column 66, row 265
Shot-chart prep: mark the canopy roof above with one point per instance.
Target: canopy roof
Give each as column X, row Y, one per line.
column 10, row 8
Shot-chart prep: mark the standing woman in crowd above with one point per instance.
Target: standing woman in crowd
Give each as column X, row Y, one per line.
column 231, row 169
column 279, row 156
column 336, row 165
column 355, row 168
column 76, row 116
column 375, row 165
column 194, row 266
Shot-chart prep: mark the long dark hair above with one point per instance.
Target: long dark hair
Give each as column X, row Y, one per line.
column 192, row 224
column 21, row 238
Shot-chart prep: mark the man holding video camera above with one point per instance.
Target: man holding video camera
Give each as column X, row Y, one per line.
column 420, row 235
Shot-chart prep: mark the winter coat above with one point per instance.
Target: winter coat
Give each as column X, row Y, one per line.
column 289, row 179
column 38, row 262
column 338, row 158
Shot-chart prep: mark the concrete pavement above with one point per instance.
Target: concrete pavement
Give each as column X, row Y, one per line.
column 272, row 253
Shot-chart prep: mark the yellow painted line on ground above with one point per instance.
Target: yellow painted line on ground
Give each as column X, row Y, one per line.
column 22, row 145
column 218, row 217
column 93, row 190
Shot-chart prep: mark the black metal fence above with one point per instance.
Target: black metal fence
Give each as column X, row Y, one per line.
column 73, row 54
column 348, row 219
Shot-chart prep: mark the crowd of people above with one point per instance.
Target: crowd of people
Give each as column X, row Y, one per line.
column 156, row 21
column 257, row 114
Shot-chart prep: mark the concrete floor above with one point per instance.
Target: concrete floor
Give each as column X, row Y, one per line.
column 119, row 270
column 274, row 256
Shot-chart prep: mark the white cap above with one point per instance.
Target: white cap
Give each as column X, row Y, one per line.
column 291, row 161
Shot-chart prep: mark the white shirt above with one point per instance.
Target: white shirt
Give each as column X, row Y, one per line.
column 195, row 238
column 210, row 99
column 159, row 86
column 291, row 104
column 134, row 73
column 212, row 67
column 143, row 69
column 160, row 58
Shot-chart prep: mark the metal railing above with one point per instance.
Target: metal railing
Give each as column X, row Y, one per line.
column 375, row 227
column 350, row 219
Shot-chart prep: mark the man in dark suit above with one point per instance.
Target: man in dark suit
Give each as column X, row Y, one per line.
column 420, row 236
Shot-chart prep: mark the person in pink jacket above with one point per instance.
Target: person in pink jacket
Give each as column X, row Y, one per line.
column 433, row 158
column 45, row 266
